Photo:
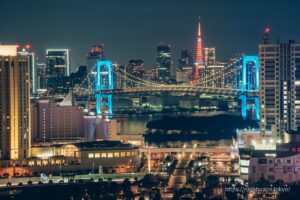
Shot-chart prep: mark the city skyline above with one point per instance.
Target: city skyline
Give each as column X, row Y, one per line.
column 158, row 100
column 114, row 24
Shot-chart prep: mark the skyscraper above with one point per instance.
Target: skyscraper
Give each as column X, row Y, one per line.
column 95, row 53
column 58, row 62
column 32, row 66
column 280, row 86
column 212, row 75
column 164, row 61
column 14, row 104
column 199, row 52
column 184, row 73
column 120, row 76
column 42, row 75
column 210, row 56
column 186, row 60
column 136, row 67
column 58, row 68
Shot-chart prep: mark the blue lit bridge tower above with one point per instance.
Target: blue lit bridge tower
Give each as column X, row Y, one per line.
column 247, row 81
column 103, row 77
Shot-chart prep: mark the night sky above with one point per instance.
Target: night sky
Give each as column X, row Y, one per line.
column 132, row 28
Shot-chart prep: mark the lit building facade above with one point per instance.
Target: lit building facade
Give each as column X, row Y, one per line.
column 89, row 157
column 184, row 72
column 42, row 75
column 230, row 71
column 95, row 53
column 32, row 66
column 15, row 129
column 247, row 141
column 280, row 86
column 58, row 68
column 136, row 69
column 164, row 62
column 210, row 56
column 186, row 60
column 120, row 76
column 51, row 122
column 58, row 62
column 280, row 164
column 212, row 76
column 184, row 75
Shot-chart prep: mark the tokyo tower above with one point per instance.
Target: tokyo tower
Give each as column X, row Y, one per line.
column 199, row 52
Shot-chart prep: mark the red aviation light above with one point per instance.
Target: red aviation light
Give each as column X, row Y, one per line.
column 267, row 30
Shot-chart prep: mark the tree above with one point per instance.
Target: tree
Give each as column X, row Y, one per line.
column 213, row 181
column 232, row 195
column 262, row 183
column 126, row 185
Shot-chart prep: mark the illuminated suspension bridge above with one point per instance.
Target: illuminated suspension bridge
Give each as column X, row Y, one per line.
column 103, row 77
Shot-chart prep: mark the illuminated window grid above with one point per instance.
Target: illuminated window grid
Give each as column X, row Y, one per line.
column 111, row 154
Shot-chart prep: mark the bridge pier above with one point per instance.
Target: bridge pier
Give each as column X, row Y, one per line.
column 103, row 81
column 248, row 80
column 245, row 106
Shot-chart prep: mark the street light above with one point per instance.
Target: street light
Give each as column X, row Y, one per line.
column 93, row 168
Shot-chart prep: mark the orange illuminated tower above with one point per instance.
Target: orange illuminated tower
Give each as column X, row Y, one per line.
column 15, row 126
column 199, row 52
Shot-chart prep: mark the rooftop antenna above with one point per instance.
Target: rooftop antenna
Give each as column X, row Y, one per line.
column 265, row 39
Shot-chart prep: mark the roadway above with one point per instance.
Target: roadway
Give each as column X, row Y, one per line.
column 186, row 150
column 56, row 179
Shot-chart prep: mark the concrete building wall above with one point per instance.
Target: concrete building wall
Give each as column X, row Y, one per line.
column 53, row 122
column 286, row 169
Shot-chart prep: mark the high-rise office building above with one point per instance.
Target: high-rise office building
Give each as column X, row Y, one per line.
column 120, row 76
column 58, row 62
column 280, row 86
column 14, row 104
column 230, row 68
column 41, row 75
column 95, row 53
column 32, row 66
column 212, row 76
column 186, row 60
column 136, row 67
column 185, row 67
column 210, row 56
column 199, row 52
column 58, row 69
column 164, row 61
column 184, row 75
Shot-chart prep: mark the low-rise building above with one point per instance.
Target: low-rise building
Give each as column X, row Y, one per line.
column 84, row 157
column 249, row 140
column 280, row 164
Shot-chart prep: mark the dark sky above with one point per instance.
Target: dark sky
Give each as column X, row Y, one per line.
column 132, row 28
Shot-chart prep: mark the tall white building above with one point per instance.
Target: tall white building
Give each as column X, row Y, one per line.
column 280, row 86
